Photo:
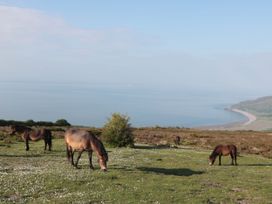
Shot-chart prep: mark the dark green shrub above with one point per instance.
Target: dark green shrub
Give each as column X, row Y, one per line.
column 62, row 122
column 117, row 132
column 30, row 122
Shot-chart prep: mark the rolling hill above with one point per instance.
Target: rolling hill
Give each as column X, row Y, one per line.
column 261, row 108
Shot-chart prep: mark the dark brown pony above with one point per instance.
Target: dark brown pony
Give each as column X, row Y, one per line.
column 177, row 140
column 29, row 134
column 224, row 150
column 81, row 140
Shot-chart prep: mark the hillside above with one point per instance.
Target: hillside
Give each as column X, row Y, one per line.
column 261, row 108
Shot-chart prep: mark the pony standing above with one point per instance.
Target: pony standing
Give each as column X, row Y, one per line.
column 81, row 140
column 29, row 134
column 224, row 150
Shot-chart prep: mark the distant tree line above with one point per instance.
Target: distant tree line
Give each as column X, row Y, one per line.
column 60, row 122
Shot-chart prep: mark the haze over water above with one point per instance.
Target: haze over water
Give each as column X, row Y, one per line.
column 91, row 105
column 167, row 63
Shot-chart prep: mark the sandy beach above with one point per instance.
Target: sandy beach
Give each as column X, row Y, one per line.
column 250, row 118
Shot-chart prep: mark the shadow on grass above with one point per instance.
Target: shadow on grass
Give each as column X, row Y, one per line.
column 123, row 168
column 262, row 164
column 174, row 172
column 20, row 155
column 44, row 154
column 152, row 147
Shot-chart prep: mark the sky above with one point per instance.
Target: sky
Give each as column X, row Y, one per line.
column 198, row 45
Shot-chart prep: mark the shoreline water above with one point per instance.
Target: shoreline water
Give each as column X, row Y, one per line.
column 249, row 119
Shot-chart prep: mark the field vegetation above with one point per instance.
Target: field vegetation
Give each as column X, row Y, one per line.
column 154, row 171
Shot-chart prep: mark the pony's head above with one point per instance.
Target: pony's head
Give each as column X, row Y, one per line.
column 18, row 129
column 211, row 159
column 102, row 160
column 13, row 129
column 103, row 155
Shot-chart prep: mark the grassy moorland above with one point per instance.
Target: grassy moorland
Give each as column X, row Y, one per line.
column 253, row 142
column 140, row 175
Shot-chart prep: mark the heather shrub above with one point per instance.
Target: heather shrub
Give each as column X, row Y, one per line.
column 117, row 132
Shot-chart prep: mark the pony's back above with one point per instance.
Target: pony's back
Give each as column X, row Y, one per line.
column 19, row 129
column 78, row 139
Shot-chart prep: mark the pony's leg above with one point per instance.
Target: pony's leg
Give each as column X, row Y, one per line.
column 45, row 144
column 78, row 157
column 72, row 157
column 90, row 159
column 25, row 137
column 49, row 140
column 235, row 157
column 219, row 160
column 27, row 144
column 50, row 145
column 232, row 158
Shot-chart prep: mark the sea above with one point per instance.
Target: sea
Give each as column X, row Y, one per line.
column 92, row 105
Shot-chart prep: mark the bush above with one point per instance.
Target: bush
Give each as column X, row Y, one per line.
column 117, row 132
column 62, row 122
column 30, row 122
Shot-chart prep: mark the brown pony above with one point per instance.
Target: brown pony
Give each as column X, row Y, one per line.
column 81, row 140
column 177, row 140
column 33, row 135
column 224, row 150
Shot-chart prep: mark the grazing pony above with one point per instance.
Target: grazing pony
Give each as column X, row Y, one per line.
column 81, row 140
column 177, row 140
column 224, row 150
column 34, row 135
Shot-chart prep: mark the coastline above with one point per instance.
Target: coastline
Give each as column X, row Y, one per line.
column 249, row 119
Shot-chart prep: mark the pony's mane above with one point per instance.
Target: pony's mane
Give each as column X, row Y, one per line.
column 100, row 147
column 20, row 128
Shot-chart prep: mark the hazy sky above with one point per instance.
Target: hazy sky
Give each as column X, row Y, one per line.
column 221, row 45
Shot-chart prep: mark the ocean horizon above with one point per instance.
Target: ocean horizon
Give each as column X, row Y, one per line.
column 91, row 105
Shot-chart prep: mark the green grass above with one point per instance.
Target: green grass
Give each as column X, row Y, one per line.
column 140, row 175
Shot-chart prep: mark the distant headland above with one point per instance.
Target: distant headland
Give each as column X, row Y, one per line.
column 257, row 112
